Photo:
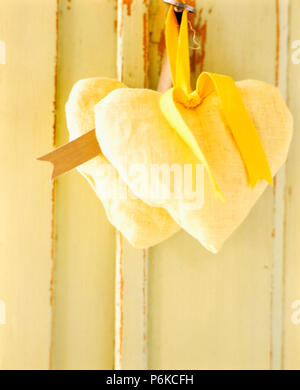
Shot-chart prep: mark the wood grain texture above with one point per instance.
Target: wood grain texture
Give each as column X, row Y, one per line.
column 83, row 326
column 291, row 298
column 131, row 264
column 157, row 14
column 214, row 311
column 131, row 338
column 26, row 99
column 281, row 61
column 239, row 309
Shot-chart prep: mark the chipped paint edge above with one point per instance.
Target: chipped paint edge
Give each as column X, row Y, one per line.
column 281, row 64
column 125, row 11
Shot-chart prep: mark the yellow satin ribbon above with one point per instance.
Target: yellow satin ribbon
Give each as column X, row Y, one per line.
column 233, row 109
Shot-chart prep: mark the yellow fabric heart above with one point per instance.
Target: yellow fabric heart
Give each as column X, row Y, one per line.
column 131, row 127
column 142, row 225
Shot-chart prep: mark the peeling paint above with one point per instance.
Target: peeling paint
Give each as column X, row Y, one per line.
column 277, row 43
column 198, row 55
column 121, row 291
column 51, row 287
column 128, row 4
column 145, row 47
column 161, row 45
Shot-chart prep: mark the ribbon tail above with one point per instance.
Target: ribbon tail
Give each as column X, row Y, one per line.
column 177, row 44
column 173, row 116
column 171, row 36
column 240, row 124
column 183, row 57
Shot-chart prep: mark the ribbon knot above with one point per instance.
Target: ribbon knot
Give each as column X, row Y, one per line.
column 191, row 100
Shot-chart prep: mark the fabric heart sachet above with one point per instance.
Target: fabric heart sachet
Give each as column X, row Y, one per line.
column 239, row 133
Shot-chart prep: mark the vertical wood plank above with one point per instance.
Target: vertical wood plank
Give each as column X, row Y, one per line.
column 83, row 326
column 291, row 298
column 282, row 13
column 234, row 310
column 214, row 311
column 131, row 264
column 157, row 13
column 28, row 30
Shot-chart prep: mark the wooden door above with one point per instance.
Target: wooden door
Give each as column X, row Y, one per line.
column 73, row 293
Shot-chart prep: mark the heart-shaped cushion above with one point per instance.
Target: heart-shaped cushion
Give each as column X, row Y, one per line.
column 132, row 130
column 142, row 225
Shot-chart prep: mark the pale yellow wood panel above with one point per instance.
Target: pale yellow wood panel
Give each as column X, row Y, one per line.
column 131, row 307
column 131, row 263
column 291, row 335
column 214, row 311
column 83, row 327
column 157, row 13
column 26, row 100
